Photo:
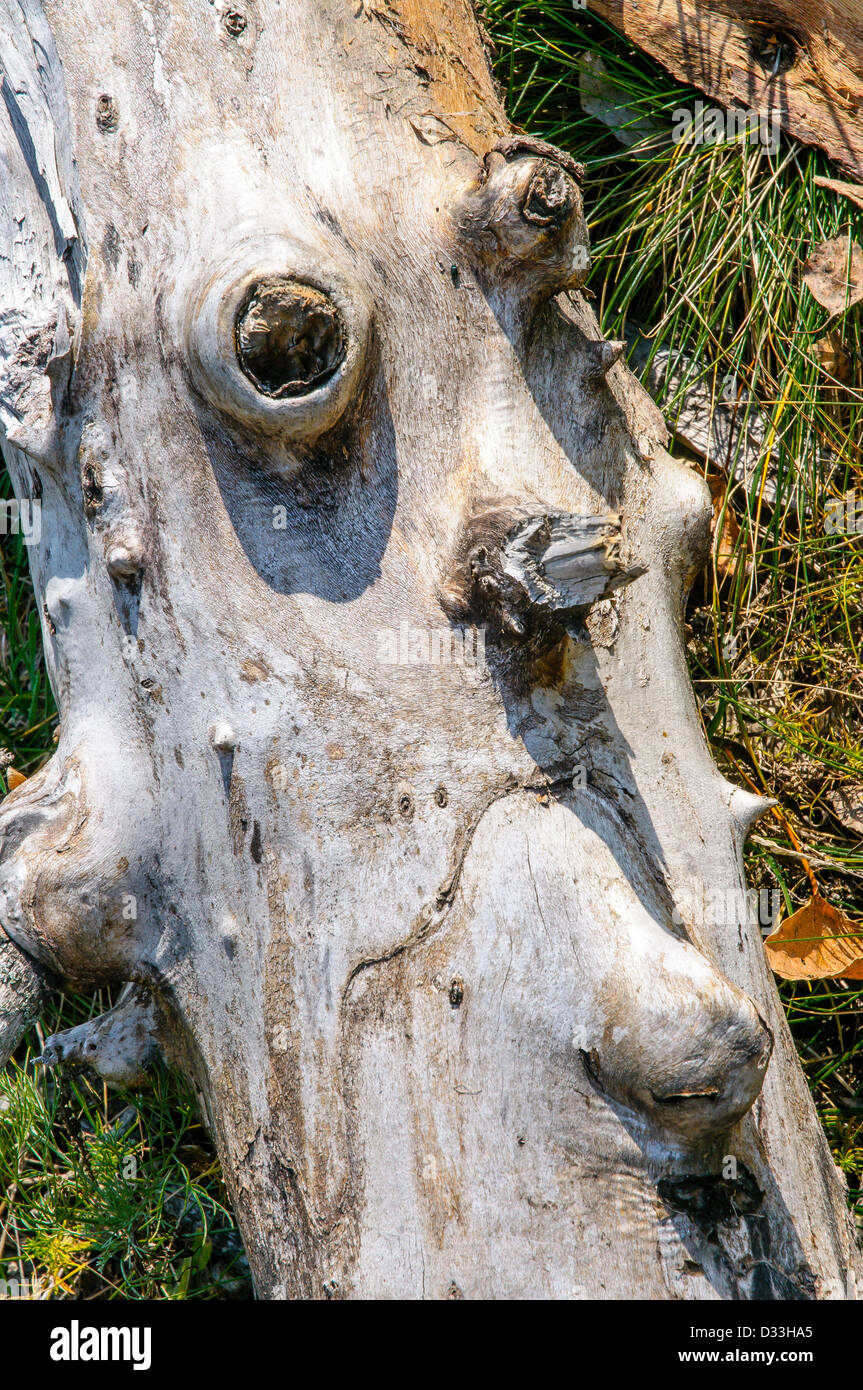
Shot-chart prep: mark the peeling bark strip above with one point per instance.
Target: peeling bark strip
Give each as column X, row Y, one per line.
column 293, row 354
column 799, row 63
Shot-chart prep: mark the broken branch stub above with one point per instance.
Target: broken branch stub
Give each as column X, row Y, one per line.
column 447, row 947
column 534, row 578
column 522, row 220
column 122, row 1046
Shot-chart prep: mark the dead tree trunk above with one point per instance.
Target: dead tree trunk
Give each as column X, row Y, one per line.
column 379, row 775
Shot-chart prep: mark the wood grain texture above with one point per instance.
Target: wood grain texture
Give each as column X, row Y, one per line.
column 801, row 63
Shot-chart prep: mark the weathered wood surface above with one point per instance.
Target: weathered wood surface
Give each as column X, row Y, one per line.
column 455, row 952
column 801, row 63
column 23, row 995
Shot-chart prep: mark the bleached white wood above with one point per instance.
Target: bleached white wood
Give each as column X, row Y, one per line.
column 451, row 949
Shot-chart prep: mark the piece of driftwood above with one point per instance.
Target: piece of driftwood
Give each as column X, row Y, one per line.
column 457, row 954
column 800, row 63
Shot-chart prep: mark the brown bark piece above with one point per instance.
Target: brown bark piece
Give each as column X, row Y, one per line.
column 799, row 62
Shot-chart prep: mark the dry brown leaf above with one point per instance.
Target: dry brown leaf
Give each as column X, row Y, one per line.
column 817, row 943
column 833, row 357
column 834, row 273
column 14, row 778
column 727, row 556
column 719, row 420
column 854, row 191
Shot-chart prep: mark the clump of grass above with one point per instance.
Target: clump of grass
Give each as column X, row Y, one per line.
column 105, row 1195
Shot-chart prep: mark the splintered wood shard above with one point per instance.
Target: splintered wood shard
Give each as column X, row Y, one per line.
column 532, row 577
column 566, row 563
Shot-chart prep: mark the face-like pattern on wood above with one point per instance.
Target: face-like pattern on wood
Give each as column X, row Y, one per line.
column 362, row 563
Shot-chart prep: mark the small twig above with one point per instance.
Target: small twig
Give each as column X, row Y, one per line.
column 815, row 861
column 68, row 1118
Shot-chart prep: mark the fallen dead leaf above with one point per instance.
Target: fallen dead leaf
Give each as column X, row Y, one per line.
column 724, row 541
column 723, row 424
column 818, row 942
column 431, row 130
column 846, row 803
column 834, row 274
column 833, row 357
column 605, row 97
